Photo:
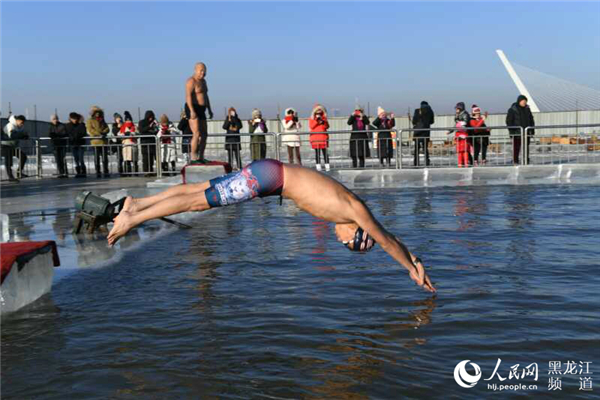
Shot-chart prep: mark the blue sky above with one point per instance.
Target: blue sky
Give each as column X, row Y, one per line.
column 125, row 55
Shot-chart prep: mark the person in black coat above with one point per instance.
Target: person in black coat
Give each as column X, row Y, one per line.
column 115, row 142
column 76, row 132
column 359, row 138
column 60, row 141
column 184, row 127
column 148, row 127
column 422, row 119
column 519, row 114
column 232, row 125
column 385, row 144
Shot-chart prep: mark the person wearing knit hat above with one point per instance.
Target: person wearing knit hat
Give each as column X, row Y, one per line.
column 385, row 144
column 422, row 120
column 479, row 136
column 520, row 115
column 257, row 126
column 115, row 142
column 319, row 138
column 461, row 135
column 359, row 138
column 291, row 127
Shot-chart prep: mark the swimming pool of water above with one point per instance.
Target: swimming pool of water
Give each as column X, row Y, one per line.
column 261, row 301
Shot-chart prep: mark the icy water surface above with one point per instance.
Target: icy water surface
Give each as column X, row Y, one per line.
column 261, row 301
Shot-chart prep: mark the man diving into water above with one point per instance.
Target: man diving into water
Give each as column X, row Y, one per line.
column 312, row 191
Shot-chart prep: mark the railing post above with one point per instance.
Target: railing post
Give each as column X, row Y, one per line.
column 399, row 149
column 38, row 158
column 276, row 144
column 158, row 158
column 523, row 146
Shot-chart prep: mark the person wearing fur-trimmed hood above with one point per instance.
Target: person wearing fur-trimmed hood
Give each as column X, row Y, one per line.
column 319, row 138
column 233, row 125
column 98, row 129
column 291, row 127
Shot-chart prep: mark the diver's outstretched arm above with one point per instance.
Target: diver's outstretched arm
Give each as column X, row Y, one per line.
column 392, row 245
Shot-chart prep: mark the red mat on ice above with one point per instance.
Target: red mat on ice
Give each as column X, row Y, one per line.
column 225, row 166
column 21, row 252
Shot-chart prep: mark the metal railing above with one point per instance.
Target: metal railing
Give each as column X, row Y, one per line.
column 570, row 146
column 150, row 155
column 497, row 145
column 343, row 149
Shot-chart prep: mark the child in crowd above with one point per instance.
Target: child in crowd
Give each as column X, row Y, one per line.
column 167, row 144
column 461, row 135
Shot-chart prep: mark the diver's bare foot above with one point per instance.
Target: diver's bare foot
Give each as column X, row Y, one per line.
column 123, row 224
column 130, row 204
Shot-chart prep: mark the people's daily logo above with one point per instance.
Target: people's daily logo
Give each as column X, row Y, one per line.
column 465, row 379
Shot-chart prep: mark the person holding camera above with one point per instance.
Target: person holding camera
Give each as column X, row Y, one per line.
column 148, row 127
column 115, row 142
column 98, row 129
column 385, row 143
column 319, row 139
column 359, row 138
column 480, row 136
column 130, row 151
column 291, row 127
column 12, row 133
column 233, row 125
column 257, row 126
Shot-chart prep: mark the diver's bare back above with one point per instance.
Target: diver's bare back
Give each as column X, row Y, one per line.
column 199, row 90
column 318, row 194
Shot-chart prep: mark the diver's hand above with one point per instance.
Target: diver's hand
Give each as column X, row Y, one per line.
column 420, row 277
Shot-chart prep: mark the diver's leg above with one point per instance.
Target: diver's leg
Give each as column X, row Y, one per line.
column 140, row 204
column 126, row 221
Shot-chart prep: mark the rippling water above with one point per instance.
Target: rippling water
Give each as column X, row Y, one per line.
column 261, row 301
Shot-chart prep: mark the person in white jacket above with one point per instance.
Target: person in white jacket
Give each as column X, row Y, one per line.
column 291, row 127
column 12, row 134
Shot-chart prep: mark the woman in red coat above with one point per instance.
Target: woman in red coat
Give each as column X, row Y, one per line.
column 319, row 140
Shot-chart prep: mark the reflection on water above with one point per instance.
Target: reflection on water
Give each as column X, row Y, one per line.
column 261, row 301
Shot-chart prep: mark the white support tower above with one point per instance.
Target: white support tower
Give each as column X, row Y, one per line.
column 518, row 82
